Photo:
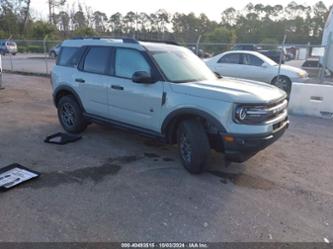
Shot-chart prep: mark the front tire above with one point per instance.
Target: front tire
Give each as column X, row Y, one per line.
column 193, row 145
column 70, row 115
column 282, row 82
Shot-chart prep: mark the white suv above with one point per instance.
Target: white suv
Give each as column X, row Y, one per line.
column 165, row 91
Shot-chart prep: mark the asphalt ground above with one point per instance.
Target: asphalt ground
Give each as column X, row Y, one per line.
column 116, row 186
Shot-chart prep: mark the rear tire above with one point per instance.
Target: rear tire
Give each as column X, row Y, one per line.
column 70, row 115
column 193, row 145
column 282, row 82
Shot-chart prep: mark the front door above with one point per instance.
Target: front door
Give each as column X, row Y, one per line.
column 129, row 102
column 253, row 68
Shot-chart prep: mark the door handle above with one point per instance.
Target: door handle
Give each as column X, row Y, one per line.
column 80, row 80
column 117, row 87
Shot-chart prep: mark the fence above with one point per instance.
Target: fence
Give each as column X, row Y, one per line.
column 34, row 56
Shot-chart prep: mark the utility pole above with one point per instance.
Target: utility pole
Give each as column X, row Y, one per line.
column 1, row 87
column 197, row 44
column 281, row 54
column 50, row 10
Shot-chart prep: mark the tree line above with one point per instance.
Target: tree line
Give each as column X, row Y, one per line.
column 257, row 23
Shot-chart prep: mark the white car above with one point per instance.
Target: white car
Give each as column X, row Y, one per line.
column 255, row 66
column 166, row 92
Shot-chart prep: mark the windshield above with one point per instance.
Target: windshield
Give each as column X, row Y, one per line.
column 266, row 59
column 180, row 65
column 9, row 43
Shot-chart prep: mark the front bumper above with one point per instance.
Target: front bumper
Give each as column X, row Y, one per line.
column 300, row 79
column 239, row 148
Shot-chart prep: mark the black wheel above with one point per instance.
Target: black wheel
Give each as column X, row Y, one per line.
column 193, row 145
column 53, row 55
column 13, row 54
column 283, row 83
column 70, row 115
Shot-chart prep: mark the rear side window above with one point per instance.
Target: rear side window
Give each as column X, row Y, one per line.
column 230, row 59
column 97, row 60
column 69, row 57
column 129, row 61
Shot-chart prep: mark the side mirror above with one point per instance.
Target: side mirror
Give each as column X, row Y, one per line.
column 142, row 77
column 219, row 76
column 264, row 65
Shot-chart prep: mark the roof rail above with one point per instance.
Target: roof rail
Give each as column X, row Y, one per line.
column 130, row 40
column 125, row 40
column 162, row 41
column 86, row 37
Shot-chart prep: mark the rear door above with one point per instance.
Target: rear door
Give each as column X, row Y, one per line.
column 92, row 80
column 229, row 65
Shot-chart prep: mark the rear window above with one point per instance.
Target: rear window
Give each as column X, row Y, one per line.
column 68, row 57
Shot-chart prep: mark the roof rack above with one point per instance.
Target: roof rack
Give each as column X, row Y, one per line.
column 162, row 41
column 130, row 40
column 125, row 40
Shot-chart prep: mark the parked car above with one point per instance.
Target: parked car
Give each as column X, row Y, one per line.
column 313, row 66
column 54, row 51
column 248, row 47
column 166, row 92
column 8, row 47
column 201, row 53
column 255, row 66
column 273, row 54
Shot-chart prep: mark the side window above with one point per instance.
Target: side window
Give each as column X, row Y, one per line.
column 68, row 57
column 96, row 60
column 230, row 59
column 251, row 60
column 129, row 61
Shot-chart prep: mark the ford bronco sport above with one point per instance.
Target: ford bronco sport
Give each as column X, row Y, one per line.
column 165, row 91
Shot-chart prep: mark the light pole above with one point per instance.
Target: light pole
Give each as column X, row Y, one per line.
column 1, row 87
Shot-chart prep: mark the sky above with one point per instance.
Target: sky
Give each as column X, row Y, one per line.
column 212, row 8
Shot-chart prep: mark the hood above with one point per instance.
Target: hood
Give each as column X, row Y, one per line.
column 231, row 90
column 285, row 69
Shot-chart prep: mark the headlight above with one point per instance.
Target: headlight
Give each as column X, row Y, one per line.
column 256, row 114
column 249, row 114
column 302, row 74
column 241, row 113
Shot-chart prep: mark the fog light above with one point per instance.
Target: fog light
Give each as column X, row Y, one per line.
column 229, row 139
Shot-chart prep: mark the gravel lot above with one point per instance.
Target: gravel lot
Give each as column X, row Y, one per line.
column 115, row 186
